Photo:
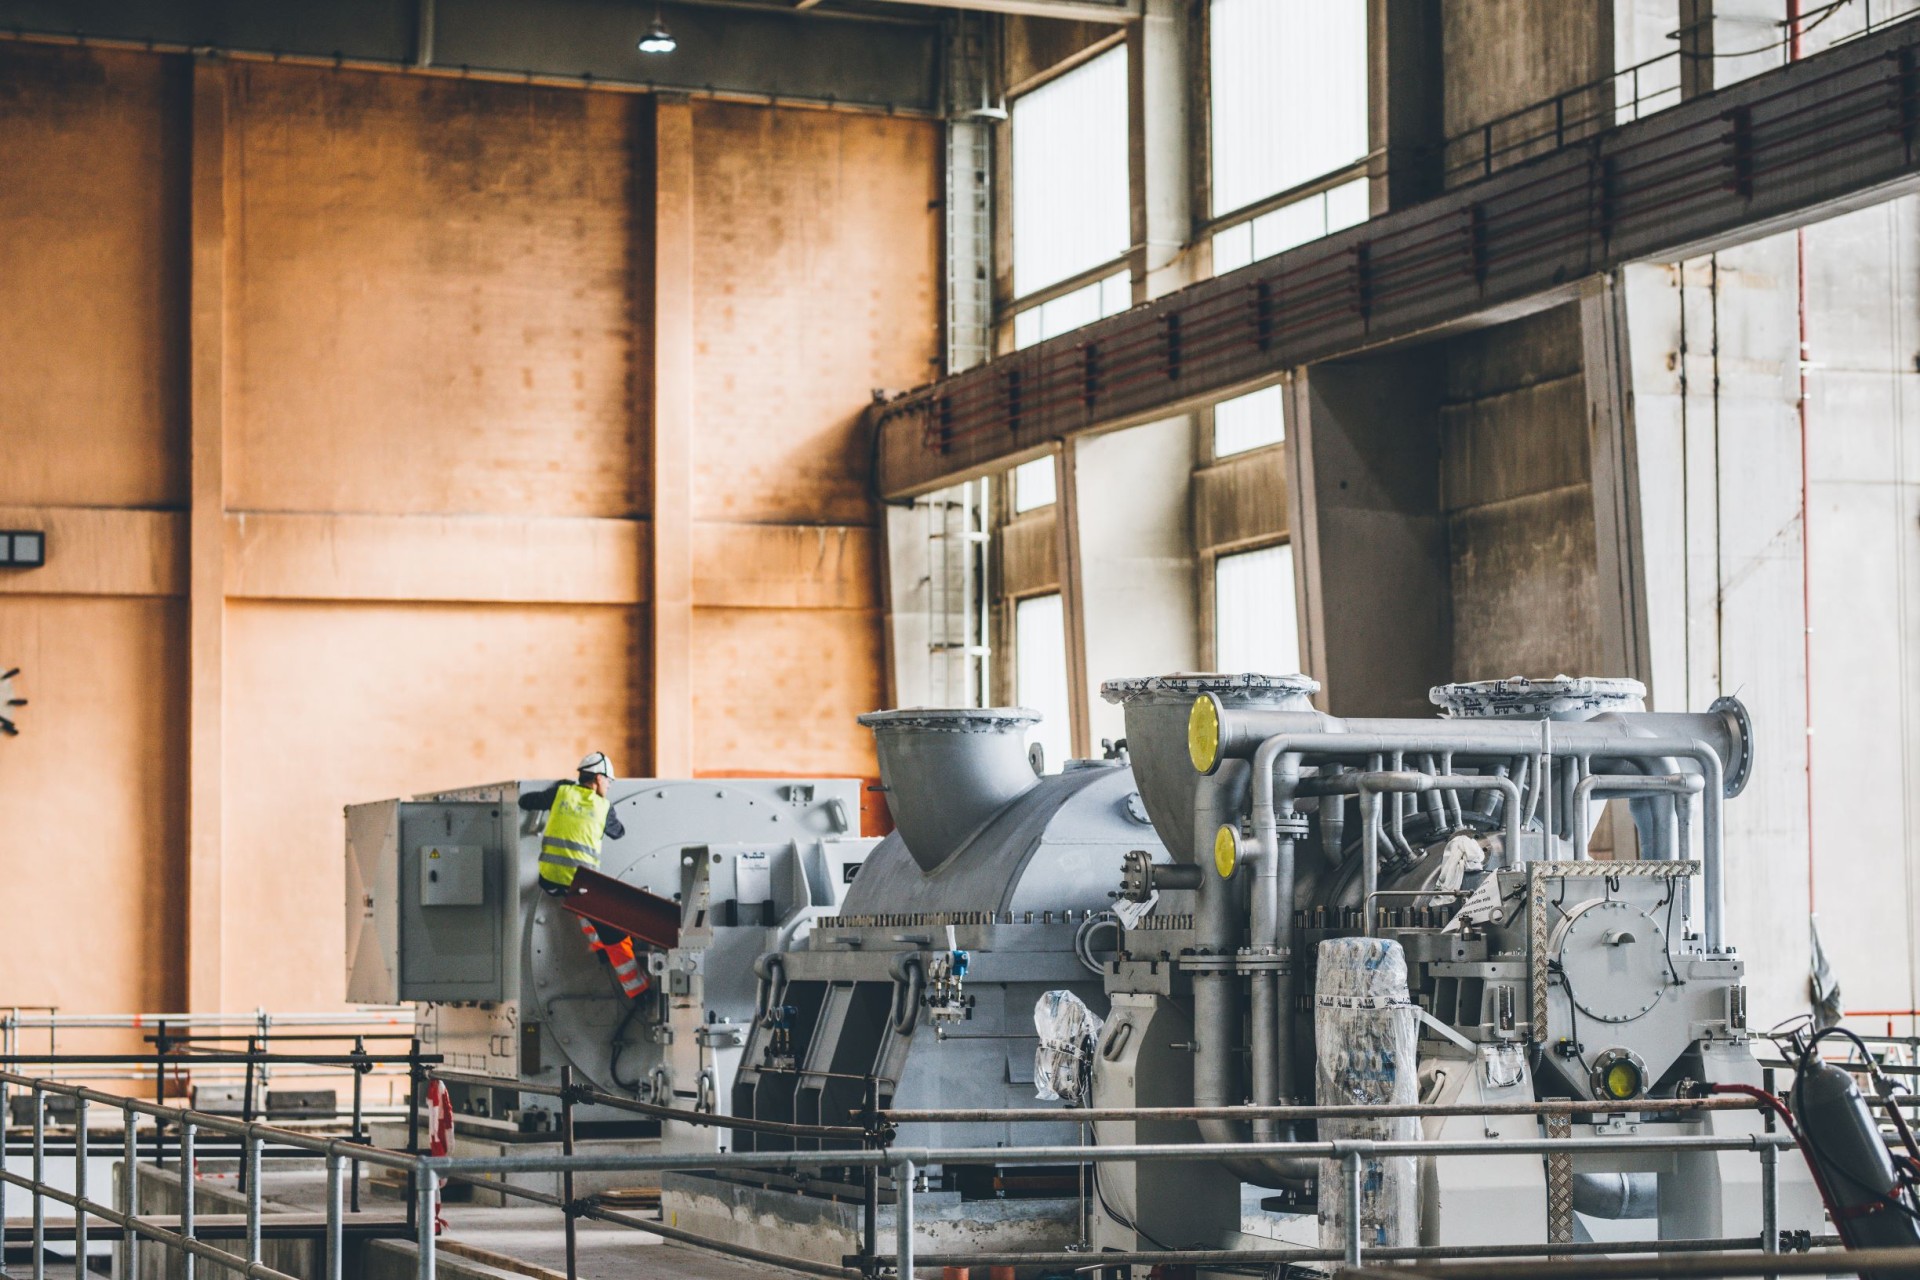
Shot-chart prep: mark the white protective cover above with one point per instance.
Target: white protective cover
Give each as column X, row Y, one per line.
column 1068, row 1030
column 1365, row 1032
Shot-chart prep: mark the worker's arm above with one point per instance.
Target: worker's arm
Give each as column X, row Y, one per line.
column 537, row 800
column 614, row 827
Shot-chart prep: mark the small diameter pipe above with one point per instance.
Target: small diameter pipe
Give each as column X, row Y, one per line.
column 1633, row 784
column 1603, row 740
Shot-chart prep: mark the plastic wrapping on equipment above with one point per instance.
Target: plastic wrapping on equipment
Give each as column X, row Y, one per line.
column 1063, row 1062
column 1366, row 1029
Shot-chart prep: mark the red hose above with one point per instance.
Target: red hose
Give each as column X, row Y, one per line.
column 1800, row 1140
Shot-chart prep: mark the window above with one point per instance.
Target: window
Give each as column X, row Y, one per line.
column 1290, row 226
column 1070, row 311
column 1033, row 485
column 1255, row 626
column 1289, row 95
column 1040, row 673
column 1071, row 211
column 1250, row 422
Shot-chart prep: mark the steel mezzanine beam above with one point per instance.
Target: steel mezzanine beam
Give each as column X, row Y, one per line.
column 1832, row 132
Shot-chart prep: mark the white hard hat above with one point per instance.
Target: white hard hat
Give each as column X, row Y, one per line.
column 597, row 762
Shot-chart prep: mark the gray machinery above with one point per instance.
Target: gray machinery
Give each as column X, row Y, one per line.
column 993, row 890
column 1538, row 972
column 444, row 910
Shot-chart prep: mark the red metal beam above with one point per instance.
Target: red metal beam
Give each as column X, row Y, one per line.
column 650, row 919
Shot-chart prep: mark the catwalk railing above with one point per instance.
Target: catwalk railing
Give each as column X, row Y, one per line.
column 1833, row 131
column 870, row 1151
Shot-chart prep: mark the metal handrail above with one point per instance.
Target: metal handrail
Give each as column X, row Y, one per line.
column 431, row 1172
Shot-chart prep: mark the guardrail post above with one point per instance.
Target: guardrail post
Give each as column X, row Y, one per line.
column 250, row 1170
column 566, row 1178
column 427, row 1183
column 336, row 1228
column 80, row 1186
column 5, row 1103
column 187, row 1180
column 1770, row 1199
column 39, row 1183
column 129, row 1192
column 160, row 1095
column 903, row 1220
column 246, row 1107
column 360, row 1070
column 870, row 1179
column 1352, row 1194
column 413, row 1128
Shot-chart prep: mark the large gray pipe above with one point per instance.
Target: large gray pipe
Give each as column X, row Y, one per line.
column 1157, row 710
column 1617, row 1196
column 949, row 772
column 1217, row 801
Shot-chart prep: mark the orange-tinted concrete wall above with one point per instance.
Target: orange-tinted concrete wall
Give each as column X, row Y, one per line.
column 815, row 280
column 92, row 425
column 430, row 389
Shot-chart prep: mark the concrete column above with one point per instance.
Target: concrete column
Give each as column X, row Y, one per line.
column 1073, row 592
column 669, row 288
column 1136, row 560
column 1404, row 100
column 1370, row 537
column 1716, row 37
column 1159, row 94
column 1620, row 585
column 213, row 204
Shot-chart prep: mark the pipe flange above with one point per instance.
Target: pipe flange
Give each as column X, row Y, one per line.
column 1740, row 728
column 952, row 719
column 1520, row 696
column 1231, row 689
column 1280, row 961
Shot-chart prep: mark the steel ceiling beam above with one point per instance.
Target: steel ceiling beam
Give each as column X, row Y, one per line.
column 1077, row 10
column 882, row 61
column 1835, row 131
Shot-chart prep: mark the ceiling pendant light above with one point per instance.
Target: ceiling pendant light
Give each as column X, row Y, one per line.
column 658, row 39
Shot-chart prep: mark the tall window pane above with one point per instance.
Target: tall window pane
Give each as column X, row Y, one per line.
column 1040, row 673
column 1289, row 94
column 1255, row 625
column 1070, row 209
column 1096, row 301
column 1033, row 485
column 1249, row 422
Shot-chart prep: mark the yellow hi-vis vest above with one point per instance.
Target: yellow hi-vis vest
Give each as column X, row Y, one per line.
column 572, row 838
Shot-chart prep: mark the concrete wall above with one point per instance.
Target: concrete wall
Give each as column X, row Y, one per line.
column 1514, row 482
column 1734, row 573
column 336, row 394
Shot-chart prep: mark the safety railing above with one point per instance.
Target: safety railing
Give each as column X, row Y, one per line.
column 869, row 1151
column 1632, row 92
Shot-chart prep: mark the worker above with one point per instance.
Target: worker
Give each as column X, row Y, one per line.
column 579, row 817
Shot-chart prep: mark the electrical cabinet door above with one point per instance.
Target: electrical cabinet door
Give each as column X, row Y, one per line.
column 373, row 906
column 453, row 891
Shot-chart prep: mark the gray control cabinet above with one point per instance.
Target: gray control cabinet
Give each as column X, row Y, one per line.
column 427, row 892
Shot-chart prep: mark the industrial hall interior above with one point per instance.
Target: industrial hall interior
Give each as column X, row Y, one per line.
column 959, row 639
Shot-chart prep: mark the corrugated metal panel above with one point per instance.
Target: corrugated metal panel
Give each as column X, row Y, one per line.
column 1070, row 208
column 1040, row 674
column 1249, row 422
column 1289, row 94
column 1255, row 626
